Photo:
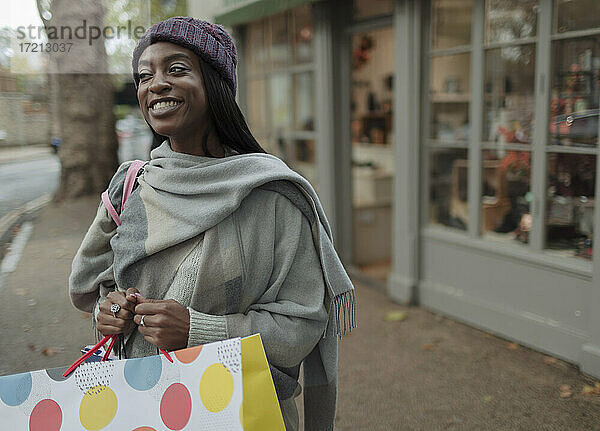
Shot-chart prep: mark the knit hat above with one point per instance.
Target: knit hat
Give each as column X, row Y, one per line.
column 209, row 41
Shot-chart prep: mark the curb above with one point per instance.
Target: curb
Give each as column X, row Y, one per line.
column 27, row 212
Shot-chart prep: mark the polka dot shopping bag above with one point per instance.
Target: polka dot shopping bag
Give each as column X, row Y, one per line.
column 201, row 389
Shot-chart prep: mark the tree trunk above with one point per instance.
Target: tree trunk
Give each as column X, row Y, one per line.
column 83, row 110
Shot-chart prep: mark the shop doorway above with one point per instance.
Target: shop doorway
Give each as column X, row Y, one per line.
column 372, row 150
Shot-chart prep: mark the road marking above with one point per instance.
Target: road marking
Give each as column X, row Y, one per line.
column 10, row 261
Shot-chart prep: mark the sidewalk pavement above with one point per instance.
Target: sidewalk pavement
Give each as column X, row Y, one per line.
column 23, row 153
column 425, row 372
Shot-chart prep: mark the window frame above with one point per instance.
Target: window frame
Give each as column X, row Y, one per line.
column 539, row 147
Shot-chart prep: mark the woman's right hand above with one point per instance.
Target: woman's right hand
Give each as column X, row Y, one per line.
column 123, row 323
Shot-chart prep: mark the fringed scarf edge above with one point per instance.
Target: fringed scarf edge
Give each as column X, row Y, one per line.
column 344, row 309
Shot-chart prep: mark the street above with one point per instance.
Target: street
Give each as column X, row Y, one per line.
column 23, row 181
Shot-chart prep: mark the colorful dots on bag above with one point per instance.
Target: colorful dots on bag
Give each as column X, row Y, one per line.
column 187, row 356
column 176, row 406
column 56, row 374
column 15, row 389
column 216, row 387
column 143, row 373
column 46, row 416
column 98, row 408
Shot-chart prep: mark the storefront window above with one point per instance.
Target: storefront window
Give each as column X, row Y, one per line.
column 575, row 92
column 279, row 90
column 305, row 101
column 258, row 54
column 368, row 8
column 372, row 82
column 508, row 20
column 372, row 150
column 573, row 15
column 303, row 34
column 280, row 98
column 509, row 94
column 448, row 176
column 449, row 95
column 280, row 40
column 451, row 23
column 570, row 203
column 257, row 110
column 573, row 137
column 506, row 196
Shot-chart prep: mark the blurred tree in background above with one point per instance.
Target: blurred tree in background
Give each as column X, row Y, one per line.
column 82, row 95
column 84, row 81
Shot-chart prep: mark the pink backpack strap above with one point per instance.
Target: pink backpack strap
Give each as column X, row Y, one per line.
column 132, row 172
column 130, row 178
column 110, row 208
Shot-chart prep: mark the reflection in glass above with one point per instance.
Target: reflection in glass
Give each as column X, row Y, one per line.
column 449, row 93
column 506, row 197
column 575, row 91
column 303, row 34
column 570, row 203
column 369, row 8
column 572, row 15
column 305, row 101
column 448, row 176
column 508, row 20
column 509, row 94
column 451, row 23
column 279, row 91
column 280, row 43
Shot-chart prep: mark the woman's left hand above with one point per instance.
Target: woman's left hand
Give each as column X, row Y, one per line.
column 166, row 323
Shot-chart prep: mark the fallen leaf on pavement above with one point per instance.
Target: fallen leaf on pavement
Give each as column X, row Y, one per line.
column 47, row 351
column 487, row 398
column 394, row 316
column 565, row 391
column 512, row 346
column 428, row 346
column 591, row 390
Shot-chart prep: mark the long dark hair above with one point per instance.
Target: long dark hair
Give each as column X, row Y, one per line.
column 225, row 114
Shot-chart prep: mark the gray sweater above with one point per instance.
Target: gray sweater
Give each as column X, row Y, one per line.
column 239, row 241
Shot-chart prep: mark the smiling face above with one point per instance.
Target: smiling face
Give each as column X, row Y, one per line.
column 171, row 92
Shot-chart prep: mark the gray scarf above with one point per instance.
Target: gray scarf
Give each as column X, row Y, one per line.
column 196, row 193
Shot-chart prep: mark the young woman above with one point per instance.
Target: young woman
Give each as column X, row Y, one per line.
column 219, row 239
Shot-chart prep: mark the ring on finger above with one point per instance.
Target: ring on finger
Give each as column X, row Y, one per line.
column 142, row 320
column 115, row 308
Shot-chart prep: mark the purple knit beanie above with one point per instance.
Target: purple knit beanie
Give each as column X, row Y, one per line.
column 209, row 41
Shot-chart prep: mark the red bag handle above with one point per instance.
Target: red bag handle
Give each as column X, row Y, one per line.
column 101, row 343
column 130, row 178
